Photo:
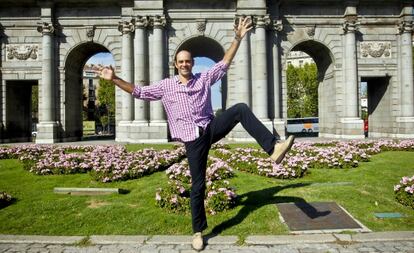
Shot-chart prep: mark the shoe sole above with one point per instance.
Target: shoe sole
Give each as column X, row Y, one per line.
column 280, row 158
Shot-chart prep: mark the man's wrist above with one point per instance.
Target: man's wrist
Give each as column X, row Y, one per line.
column 237, row 38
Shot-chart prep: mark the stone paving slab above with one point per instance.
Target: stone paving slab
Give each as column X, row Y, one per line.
column 40, row 239
column 384, row 236
column 118, row 239
column 166, row 239
column 287, row 239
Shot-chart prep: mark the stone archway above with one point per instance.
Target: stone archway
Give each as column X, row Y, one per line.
column 72, row 92
column 326, row 78
column 206, row 47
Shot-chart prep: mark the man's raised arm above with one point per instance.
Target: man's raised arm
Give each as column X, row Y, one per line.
column 244, row 25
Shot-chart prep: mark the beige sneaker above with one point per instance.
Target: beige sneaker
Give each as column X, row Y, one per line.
column 281, row 148
column 198, row 243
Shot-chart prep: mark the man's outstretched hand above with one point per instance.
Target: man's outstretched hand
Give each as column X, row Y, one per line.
column 107, row 73
column 244, row 25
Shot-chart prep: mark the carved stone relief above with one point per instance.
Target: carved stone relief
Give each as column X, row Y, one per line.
column 22, row 52
column 376, row 49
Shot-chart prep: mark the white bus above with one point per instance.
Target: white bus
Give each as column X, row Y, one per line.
column 303, row 125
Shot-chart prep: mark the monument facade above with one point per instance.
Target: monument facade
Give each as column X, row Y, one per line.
column 47, row 43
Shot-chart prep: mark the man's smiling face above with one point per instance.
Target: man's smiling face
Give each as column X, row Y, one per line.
column 184, row 63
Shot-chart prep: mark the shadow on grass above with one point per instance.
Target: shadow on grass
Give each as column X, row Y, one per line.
column 4, row 204
column 254, row 200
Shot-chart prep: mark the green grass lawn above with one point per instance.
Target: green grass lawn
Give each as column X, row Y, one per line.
column 37, row 210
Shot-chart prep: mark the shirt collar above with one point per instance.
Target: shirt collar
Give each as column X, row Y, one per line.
column 177, row 79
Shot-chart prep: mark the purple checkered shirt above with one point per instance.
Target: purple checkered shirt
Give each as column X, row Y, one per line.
column 187, row 106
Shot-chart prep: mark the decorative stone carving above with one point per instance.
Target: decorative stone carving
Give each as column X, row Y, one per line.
column 310, row 30
column 201, row 26
column 158, row 21
column 141, row 22
column 376, row 49
column 350, row 25
column 90, row 32
column 277, row 25
column 261, row 21
column 126, row 27
column 21, row 52
column 405, row 27
column 46, row 28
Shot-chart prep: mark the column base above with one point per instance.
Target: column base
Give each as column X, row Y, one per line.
column 405, row 126
column 46, row 133
column 350, row 128
column 142, row 132
column 122, row 131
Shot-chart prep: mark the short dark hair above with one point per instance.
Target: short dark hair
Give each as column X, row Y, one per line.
column 181, row 50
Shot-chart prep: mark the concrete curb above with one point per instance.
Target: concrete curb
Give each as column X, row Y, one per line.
column 218, row 240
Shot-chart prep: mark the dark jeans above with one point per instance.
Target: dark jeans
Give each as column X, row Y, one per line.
column 197, row 153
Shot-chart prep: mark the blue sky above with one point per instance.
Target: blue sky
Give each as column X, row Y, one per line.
column 201, row 64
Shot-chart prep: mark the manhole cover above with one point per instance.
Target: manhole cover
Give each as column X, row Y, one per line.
column 302, row 216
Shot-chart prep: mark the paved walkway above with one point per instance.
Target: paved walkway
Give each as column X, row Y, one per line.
column 401, row 242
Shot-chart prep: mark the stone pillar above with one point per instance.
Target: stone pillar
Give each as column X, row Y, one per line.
column 351, row 76
column 405, row 123
column 141, row 66
column 278, row 122
column 407, row 94
column 352, row 125
column 157, row 68
column 239, row 90
column 259, row 75
column 47, row 126
column 126, row 28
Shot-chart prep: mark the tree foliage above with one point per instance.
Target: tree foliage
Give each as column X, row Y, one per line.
column 106, row 104
column 302, row 89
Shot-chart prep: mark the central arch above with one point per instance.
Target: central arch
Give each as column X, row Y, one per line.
column 324, row 61
column 206, row 47
column 72, row 92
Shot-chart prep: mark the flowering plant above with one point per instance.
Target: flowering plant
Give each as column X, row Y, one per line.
column 219, row 195
column 404, row 191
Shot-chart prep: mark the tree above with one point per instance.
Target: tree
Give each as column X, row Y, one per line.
column 106, row 102
column 302, row 89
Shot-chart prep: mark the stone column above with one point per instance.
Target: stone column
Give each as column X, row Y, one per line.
column 239, row 90
column 351, row 76
column 405, row 122
column 407, row 94
column 127, row 104
column 141, row 66
column 47, row 124
column 127, row 28
column 277, row 27
column 278, row 121
column 351, row 124
column 157, row 67
column 260, row 77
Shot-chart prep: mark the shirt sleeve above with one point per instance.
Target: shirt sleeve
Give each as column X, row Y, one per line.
column 216, row 72
column 149, row 93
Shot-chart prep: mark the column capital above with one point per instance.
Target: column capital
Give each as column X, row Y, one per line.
column 126, row 27
column 350, row 25
column 158, row 21
column 261, row 21
column 405, row 27
column 46, row 28
column 141, row 22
